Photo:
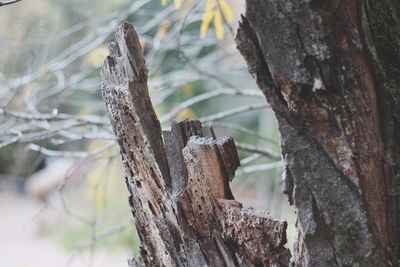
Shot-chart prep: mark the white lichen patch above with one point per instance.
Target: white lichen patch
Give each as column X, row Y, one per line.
column 317, row 84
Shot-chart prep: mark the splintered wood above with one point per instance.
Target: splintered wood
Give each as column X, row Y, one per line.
column 180, row 198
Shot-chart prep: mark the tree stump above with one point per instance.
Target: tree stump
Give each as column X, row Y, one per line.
column 180, row 198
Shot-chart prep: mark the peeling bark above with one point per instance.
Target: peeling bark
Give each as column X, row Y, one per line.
column 333, row 89
column 180, row 199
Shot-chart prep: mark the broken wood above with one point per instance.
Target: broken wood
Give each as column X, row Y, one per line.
column 180, row 198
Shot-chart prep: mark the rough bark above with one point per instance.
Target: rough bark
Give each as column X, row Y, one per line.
column 180, row 198
column 330, row 70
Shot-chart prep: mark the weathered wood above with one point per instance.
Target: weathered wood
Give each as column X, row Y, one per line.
column 208, row 214
column 259, row 238
column 175, row 140
column 312, row 61
column 139, row 136
column 179, row 188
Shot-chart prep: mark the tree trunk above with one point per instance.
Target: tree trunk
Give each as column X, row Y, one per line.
column 180, row 198
column 331, row 72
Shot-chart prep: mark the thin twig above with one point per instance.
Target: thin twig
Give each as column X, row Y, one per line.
column 188, row 59
column 69, row 154
column 232, row 112
column 49, row 116
column 253, row 149
column 218, row 124
column 89, row 243
column 260, row 167
column 250, row 159
column 208, row 95
column 18, row 135
column 9, row 3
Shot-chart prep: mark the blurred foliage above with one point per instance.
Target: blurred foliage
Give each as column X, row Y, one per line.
column 217, row 10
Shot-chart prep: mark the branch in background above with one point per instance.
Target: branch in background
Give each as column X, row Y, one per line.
column 17, row 136
column 56, row 116
column 192, row 64
column 9, row 3
column 66, row 57
column 206, row 96
column 252, row 149
column 232, row 112
column 92, row 241
column 241, row 129
column 249, row 159
column 260, row 167
column 69, row 154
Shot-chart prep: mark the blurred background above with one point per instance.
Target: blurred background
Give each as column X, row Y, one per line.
column 63, row 200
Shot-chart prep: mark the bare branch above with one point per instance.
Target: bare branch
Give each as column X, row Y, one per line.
column 260, row 167
column 69, row 154
column 206, row 96
column 239, row 128
column 232, row 112
column 249, row 159
column 18, row 135
column 9, row 3
column 56, row 116
column 265, row 152
column 91, row 241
